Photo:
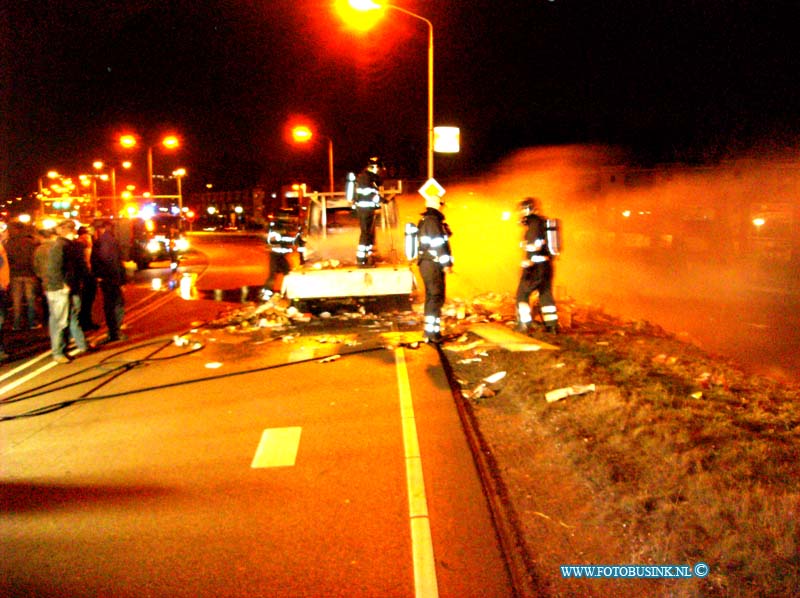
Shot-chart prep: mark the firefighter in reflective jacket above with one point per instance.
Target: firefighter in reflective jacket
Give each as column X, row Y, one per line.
column 537, row 269
column 366, row 201
column 286, row 245
column 435, row 260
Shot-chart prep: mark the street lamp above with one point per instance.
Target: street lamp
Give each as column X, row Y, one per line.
column 370, row 5
column 52, row 175
column 303, row 134
column 169, row 142
column 179, row 174
column 99, row 165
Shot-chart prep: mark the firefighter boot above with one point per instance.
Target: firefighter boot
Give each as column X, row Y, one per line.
column 434, row 338
column 523, row 328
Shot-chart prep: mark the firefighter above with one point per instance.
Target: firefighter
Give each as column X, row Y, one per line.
column 285, row 241
column 537, row 269
column 435, row 260
column 367, row 200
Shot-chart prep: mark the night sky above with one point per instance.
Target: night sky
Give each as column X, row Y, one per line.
column 682, row 80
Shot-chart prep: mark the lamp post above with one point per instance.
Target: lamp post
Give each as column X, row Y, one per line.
column 169, row 142
column 99, row 165
column 367, row 5
column 52, row 174
column 303, row 134
column 179, row 174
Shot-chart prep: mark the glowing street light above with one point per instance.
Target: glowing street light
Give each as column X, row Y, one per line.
column 303, row 134
column 169, row 142
column 371, row 5
column 44, row 191
column 100, row 165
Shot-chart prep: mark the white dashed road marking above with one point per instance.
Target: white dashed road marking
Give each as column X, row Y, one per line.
column 278, row 448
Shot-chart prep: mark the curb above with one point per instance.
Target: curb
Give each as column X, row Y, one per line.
column 506, row 523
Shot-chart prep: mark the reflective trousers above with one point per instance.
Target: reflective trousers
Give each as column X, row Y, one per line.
column 537, row 277
column 434, row 279
column 366, row 240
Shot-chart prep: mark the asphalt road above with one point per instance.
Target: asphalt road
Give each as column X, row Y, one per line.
column 234, row 466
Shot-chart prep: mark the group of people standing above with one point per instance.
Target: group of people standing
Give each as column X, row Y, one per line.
column 53, row 277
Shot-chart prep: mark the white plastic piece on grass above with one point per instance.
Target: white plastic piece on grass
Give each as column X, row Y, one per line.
column 495, row 377
column 563, row 393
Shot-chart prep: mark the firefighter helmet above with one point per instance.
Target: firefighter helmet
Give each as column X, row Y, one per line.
column 374, row 164
column 434, row 201
column 528, row 206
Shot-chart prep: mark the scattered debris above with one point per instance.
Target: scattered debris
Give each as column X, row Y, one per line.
column 469, row 360
column 509, row 339
column 568, row 391
column 482, row 391
column 665, row 359
column 543, row 516
column 495, row 377
column 462, row 348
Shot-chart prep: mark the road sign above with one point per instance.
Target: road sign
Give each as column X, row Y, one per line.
column 446, row 140
column 431, row 189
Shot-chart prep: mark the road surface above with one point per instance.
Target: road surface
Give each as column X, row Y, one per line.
column 239, row 465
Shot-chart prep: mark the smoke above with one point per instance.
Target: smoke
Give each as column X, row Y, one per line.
column 673, row 245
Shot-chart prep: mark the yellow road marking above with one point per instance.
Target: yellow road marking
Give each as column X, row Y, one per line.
column 425, row 584
column 278, row 448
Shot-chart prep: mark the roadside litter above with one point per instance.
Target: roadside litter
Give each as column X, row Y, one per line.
column 568, row 391
column 495, row 377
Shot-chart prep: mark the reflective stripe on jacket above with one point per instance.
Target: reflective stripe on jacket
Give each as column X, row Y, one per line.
column 434, row 238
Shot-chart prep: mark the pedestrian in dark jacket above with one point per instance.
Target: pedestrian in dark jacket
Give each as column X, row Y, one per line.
column 20, row 248
column 47, row 238
column 108, row 267
column 88, row 284
column 5, row 280
column 65, row 266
